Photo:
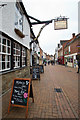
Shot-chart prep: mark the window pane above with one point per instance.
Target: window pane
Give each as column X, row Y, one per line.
column 3, row 57
column 8, row 64
column 18, row 63
column 4, row 41
column 13, row 64
column 8, row 43
column 14, row 51
column 8, row 58
column 8, row 50
column 14, row 58
column 3, row 65
column 18, row 58
column 4, row 49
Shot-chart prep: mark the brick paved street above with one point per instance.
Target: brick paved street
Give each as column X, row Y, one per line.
column 47, row 102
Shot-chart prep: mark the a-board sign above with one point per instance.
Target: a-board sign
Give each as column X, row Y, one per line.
column 36, row 72
column 20, row 93
column 41, row 68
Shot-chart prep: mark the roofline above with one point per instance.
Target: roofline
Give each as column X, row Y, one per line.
column 76, row 37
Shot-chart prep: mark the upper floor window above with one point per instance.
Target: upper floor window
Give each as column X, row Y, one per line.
column 5, row 54
column 18, row 17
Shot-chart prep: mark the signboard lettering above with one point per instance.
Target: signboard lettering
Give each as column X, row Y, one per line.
column 20, row 93
column 36, row 72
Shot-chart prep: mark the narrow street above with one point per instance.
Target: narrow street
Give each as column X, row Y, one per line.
column 55, row 95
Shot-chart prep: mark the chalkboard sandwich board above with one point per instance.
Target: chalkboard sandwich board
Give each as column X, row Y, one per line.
column 20, row 93
column 35, row 72
column 41, row 68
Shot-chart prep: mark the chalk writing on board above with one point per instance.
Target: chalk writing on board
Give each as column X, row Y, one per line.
column 35, row 72
column 20, row 92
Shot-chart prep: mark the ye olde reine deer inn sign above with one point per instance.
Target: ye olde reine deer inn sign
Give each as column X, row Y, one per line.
column 60, row 23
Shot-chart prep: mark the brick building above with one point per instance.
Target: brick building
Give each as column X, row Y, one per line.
column 61, row 51
column 71, row 51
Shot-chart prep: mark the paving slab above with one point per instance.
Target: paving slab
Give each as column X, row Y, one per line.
column 49, row 103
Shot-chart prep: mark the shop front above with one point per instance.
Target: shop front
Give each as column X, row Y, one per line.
column 61, row 60
column 71, row 60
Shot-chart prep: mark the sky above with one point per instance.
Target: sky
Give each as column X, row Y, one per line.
column 50, row 9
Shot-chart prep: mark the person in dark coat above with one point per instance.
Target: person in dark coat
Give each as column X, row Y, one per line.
column 78, row 65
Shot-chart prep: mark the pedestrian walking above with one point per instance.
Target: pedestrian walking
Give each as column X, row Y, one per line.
column 66, row 63
column 48, row 62
column 78, row 65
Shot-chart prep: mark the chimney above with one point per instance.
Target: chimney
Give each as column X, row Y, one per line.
column 73, row 35
column 58, row 45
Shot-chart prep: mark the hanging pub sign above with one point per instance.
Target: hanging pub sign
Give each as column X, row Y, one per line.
column 20, row 93
column 36, row 72
column 60, row 23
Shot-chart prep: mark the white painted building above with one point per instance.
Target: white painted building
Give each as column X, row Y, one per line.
column 14, row 36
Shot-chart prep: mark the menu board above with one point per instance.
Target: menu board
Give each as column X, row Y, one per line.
column 36, row 72
column 41, row 69
column 20, row 93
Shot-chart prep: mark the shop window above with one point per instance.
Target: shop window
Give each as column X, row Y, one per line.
column 5, row 54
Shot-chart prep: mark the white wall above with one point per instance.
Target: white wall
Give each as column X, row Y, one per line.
column 8, row 24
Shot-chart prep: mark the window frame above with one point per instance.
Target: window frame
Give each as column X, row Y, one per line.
column 10, row 59
column 23, row 56
column 6, row 54
column 16, row 55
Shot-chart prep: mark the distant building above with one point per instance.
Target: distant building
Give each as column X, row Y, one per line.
column 41, row 57
column 61, row 51
column 72, row 51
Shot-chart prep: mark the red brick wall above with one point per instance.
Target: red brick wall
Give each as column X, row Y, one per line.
column 73, row 48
